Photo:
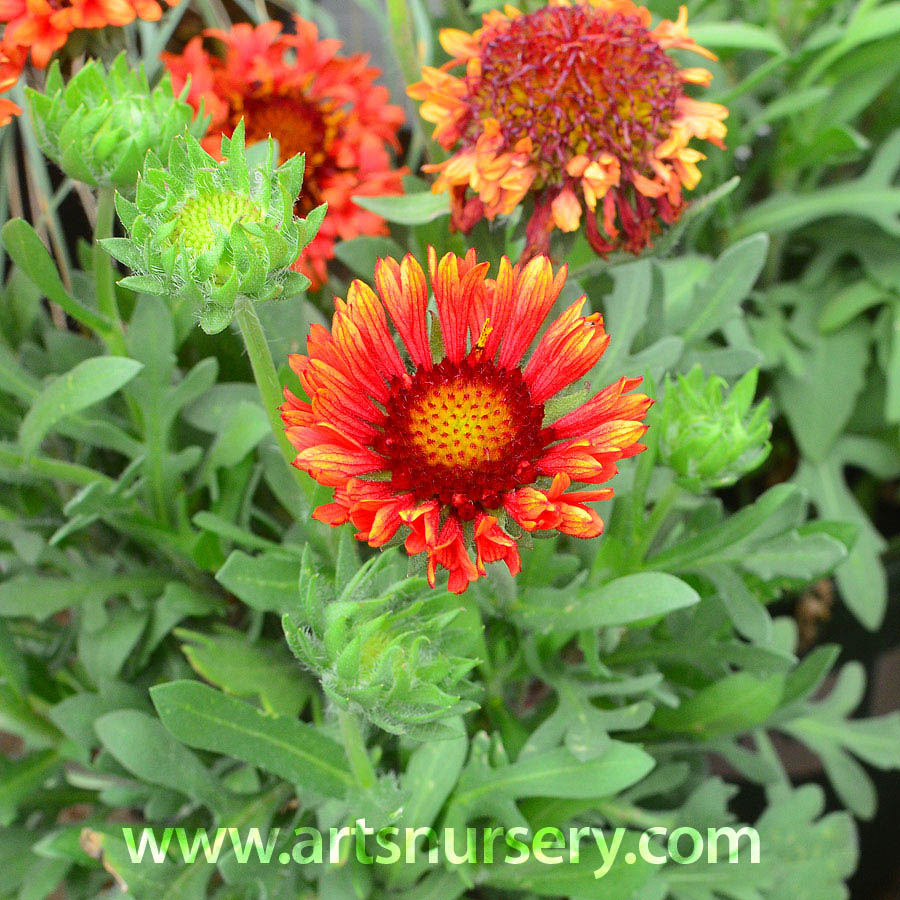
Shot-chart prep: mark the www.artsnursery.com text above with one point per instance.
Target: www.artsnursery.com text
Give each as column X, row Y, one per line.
column 391, row 845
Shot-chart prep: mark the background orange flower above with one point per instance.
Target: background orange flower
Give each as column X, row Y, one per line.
column 42, row 27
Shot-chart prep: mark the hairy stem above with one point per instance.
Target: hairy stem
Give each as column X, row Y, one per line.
column 357, row 753
column 104, row 273
column 266, row 377
column 661, row 510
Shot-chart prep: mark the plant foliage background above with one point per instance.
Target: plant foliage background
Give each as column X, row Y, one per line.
column 182, row 644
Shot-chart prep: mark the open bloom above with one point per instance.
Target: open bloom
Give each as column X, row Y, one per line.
column 44, row 26
column 459, row 447
column 298, row 90
column 579, row 105
column 11, row 62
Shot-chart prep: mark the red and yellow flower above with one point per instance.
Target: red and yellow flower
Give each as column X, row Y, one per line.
column 43, row 26
column 458, row 445
column 297, row 89
column 579, row 105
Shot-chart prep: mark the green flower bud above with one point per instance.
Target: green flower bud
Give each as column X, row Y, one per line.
column 391, row 659
column 99, row 127
column 212, row 231
column 709, row 438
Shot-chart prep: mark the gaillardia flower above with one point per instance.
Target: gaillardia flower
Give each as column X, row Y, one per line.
column 579, row 105
column 459, row 443
column 11, row 62
column 42, row 27
column 298, row 90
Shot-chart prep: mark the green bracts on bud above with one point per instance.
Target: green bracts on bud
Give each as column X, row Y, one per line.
column 211, row 231
column 391, row 658
column 709, row 437
column 99, row 126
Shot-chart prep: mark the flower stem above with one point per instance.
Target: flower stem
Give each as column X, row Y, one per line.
column 661, row 510
column 357, row 754
column 104, row 274
column 403, row 36
column 267, row 381
column 401, row 26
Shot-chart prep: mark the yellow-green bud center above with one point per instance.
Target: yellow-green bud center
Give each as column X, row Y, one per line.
column 199, row 217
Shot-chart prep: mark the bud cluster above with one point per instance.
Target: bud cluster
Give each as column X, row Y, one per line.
column 210, row 231
column 99, row 126
column 709, row 437
column 390, row 658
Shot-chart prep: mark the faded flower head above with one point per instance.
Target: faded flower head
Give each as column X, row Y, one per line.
column 99, row 127
column 578, row 105
column 300, row 91
column 391, row 657
column 211, row 230
column 452, row 438
column 709, row 437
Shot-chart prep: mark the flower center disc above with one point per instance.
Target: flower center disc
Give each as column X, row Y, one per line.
column 463, row 432
column 199, row 215
column 578, row 80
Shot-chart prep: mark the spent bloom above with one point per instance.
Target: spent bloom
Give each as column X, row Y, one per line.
column 710, row 437
column 211, row 230
column 454, row 439
column 301, row 92
column 577, row 105
column 99, row 126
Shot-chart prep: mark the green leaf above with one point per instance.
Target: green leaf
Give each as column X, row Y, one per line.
column 89, row 382
column 39, row 597
column 800, row 855
column 632, row 598
column 13, row 668
column 795, row 556
column 730, row 280
column 849, row 303
column 362, row 253
column 736, row 36
column 431, row 774
column 749, row 615
column 410, row 209
column 265, row 671
column 737, row 703
column 22, row 779
column 724, row 539
column 867, row 24
column 624, row 313
column 557, row 774
column 622, row 881
column 861, row 578
column 28, row 252
column 141, row 744
column 268, row 582
column 872, row 196
column 207, row 719
column 824, row 728
column 810, row 673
